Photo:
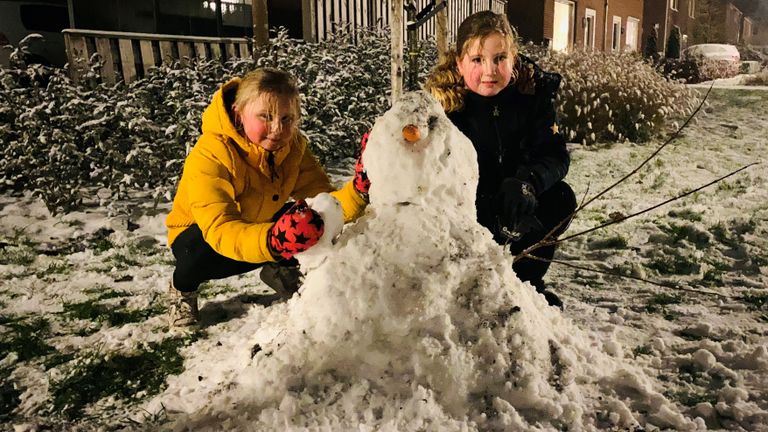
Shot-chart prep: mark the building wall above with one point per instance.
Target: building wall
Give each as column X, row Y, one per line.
column 733, row 18
column 581, row 11
column 746, row 31
column 528, row 18
column 759, row 33
column 654, row 14
column 681, row 18
column 549, row 19
column 624, row 9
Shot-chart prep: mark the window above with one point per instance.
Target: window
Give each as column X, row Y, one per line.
column 589, row 28
column 633, row 33
column 674, row 4
column 616, row 34
column 692, row 8
column 43, row 18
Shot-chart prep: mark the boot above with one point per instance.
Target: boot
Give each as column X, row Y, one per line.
column 182, row 307
column 284, row 280
column 550, row 296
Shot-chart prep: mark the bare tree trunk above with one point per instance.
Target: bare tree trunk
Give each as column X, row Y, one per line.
column 442, row 31
column 260, row 23
column 396, row 28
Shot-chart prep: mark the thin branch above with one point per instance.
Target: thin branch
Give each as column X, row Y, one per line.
column 546, row 240
column 613, row 222
column 648, row 159
column 637, row 278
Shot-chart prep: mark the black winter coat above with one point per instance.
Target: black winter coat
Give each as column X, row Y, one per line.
column 515, row 135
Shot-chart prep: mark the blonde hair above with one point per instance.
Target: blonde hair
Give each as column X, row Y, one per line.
column 269, row 83
column 445, row 83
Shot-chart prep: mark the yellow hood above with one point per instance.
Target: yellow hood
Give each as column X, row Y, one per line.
column 218, row 119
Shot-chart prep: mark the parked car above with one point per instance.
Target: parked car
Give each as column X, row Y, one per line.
column 719, row 52
column 47, row 18
column 714, row 60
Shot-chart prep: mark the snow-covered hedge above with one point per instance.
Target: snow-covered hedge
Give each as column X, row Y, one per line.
column 60, row 138
column 613, row 97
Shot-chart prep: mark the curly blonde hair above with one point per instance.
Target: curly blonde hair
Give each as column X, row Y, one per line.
column 445, row 83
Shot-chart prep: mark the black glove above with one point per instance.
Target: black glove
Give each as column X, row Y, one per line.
column 518, row 203
column 517, row 198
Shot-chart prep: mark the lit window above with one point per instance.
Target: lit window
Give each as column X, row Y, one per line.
column 673, row 4
column 692, row 8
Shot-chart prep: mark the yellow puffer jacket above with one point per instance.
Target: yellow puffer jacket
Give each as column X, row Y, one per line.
column 228, row 189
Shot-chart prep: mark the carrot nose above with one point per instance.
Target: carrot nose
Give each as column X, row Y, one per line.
column 411, row 133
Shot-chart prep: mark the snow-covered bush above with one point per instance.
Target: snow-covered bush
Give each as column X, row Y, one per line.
column 714, row 69
column 62, row 138
column 613, row 97
column 760, row 78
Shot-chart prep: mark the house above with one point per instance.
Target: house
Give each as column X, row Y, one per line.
column 663, row 15
column 759, row 36
column 607, row 25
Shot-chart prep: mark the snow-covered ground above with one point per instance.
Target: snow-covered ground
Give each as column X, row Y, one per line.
column 413, row 319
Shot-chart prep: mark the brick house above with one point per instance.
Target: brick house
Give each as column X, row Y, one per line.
column 607, row 25
column 664, row 15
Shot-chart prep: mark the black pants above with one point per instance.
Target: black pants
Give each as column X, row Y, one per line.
column 555, row 204
column 197, row 262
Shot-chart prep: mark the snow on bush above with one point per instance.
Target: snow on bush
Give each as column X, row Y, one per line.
column 63, row 141
column 61, row 137
column 613, row 97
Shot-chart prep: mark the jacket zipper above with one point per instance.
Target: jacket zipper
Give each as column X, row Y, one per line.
column 499, row 147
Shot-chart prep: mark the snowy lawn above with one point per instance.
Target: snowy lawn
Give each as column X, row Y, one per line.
column 84, row 342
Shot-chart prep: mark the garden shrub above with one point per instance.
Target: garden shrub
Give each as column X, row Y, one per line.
column 683, row 70
column 63, row 140
column 613, row 97
column 712, row 69
column 760, row 79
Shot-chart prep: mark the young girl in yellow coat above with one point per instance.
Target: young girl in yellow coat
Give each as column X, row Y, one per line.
column 229, row 214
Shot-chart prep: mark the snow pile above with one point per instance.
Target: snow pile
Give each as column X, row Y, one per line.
column 412, row 319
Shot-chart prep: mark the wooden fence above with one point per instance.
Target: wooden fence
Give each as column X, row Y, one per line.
column 322, row 17
column 129, row 56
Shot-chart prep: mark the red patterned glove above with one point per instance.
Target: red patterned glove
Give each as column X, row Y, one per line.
column 295, row 231
column 361, row 182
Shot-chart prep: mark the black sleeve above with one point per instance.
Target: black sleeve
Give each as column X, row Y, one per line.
column 548, row 159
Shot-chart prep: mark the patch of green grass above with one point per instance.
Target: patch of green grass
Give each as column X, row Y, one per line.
column 613, row 242
column 690, row 398
column 678, row 233
column 686, row 214
column 112, row 294
column 658, row 302
column 642, row 350
column 9, row 395
column 99, row 241
column 755, row 301
column 121, row 376
column 122, row 261
column 674, row 264
column 58, row 267
column 92, row 310
column 22, row 255
column 659, row 181
column 26, row 338
column 714, row 276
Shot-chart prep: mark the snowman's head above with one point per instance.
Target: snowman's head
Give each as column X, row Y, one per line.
column 416, row 155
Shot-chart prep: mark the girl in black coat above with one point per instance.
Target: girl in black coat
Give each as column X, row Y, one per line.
column 504, row 104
